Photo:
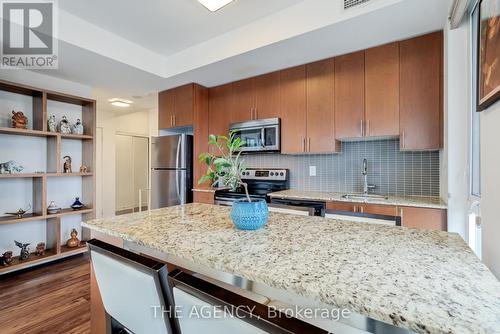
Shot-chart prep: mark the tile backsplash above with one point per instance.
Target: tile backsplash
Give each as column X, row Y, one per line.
column 392, row 171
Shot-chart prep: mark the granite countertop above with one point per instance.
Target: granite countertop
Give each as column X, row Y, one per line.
column 425, row 281
column 414, row 201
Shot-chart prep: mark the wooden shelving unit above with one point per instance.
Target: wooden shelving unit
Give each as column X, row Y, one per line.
column 56, row 248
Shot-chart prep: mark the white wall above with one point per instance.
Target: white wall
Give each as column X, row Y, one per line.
column 455, row 157
column 490, row 187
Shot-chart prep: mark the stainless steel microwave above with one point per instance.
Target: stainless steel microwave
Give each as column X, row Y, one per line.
column 261, row 135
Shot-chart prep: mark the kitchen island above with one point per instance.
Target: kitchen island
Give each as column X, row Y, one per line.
column 424, row 281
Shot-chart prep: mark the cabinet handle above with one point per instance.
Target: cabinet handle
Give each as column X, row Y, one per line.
column 362, row 129
column 303, row 144
column 361, row 209
column 403, row 139
column 174, row 119
column 309, row 144
column 367, row 133
column 355, row 208
column 255, row 113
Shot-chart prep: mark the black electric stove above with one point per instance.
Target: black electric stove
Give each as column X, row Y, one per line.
column 261, row 182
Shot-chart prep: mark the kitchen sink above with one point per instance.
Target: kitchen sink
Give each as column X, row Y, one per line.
column 364, row 196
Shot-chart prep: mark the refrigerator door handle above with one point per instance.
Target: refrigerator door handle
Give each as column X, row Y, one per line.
column 178, row 155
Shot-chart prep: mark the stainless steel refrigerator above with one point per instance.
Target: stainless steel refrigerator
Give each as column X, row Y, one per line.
column 171, row 170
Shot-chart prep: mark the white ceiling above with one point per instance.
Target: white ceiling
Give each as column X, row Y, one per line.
column 134, row 56
column 169, row 26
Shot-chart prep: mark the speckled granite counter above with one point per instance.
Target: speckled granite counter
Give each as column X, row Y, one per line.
column 415, row 201
column 429, row 282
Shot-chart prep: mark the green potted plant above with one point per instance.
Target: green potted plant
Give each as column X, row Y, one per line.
column 225, row 170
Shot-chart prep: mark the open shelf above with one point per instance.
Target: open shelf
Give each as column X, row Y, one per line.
column 38, row 105
column 26, row 218
column 69, row 211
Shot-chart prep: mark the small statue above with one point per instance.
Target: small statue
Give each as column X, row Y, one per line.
column 77, row 205
column 73, row 242
column 64, row 125
column 67, row 164
column 6, row 259
column 19, row 121
column 20, row 213
column 53, row 208
column 10, row 167
column 52, row 124
column 78, row 127
column 40, row 249
column 25, row 251
column 83, row 169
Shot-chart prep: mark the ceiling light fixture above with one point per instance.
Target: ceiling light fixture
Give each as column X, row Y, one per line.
column 214, row 5
column 120, row 102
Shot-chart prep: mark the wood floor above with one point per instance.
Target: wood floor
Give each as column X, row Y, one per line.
column 51, row 299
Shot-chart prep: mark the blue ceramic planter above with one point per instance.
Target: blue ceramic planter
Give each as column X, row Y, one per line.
column 249, row 215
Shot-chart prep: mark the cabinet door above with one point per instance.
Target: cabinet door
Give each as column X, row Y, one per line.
column 219, row 111
column 166, row 109
column 382, row 91
column 184, row 103
column 427, row 219
column 421, row 88
column 267, row 96
column 341, row 206
column 243, row 103
column 200, row 134
column 387, row 210
column 350, row 95
column 293, row 110
column 206, row 197
column 320, row 106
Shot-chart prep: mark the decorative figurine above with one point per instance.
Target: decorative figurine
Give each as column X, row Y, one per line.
column 73, row 242
column 19, row 121
column 20, row 213
column 77, row 205
column 67, row 164
column 6, row 259
column 53, row 208
column 25, row 251
column 64, row 125
column 52, row 124
column 10, row 167
column 78, row 127
column 83, row 169
column 40, row 249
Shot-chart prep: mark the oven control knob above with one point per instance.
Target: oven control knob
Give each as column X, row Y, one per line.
column 281, row 174
column 272, row 173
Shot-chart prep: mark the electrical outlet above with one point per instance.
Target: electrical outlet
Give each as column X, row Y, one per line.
column 312, row 170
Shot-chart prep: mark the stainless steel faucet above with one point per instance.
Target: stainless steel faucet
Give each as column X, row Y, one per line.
column 366, row 186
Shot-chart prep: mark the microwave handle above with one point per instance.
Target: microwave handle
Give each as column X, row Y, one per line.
column 263, row 137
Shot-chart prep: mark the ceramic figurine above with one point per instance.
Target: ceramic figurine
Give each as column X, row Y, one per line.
column 73, row 242
column 6, row 259
column 10, row 167
column 77, row 205
column 19, row 121
column 78, row 127
column 64, row 125
column 40, row 249
column 52, row 124
column 53, row 208
column 67, row 164
column 83, row 169
column 20, row 213
column 25, row 251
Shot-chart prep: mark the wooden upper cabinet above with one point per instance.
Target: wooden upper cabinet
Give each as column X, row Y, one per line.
column 320, row 81
column 427, row 219
column 219, row 110
column 176, row 107
column 166, row 109
column 243, row 101
column 421, row 92
column 200, row 132
column 293, row 110
column 267, row 96
column 382, row 91
column 350, row 95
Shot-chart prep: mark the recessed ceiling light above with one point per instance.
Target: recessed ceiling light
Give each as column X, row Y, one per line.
column 120, row 102
column 214, row 5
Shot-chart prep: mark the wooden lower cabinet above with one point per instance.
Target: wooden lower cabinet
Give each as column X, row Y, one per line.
column 426, row 219
column 341, row 206
column 386, row 210
column 206, row 197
